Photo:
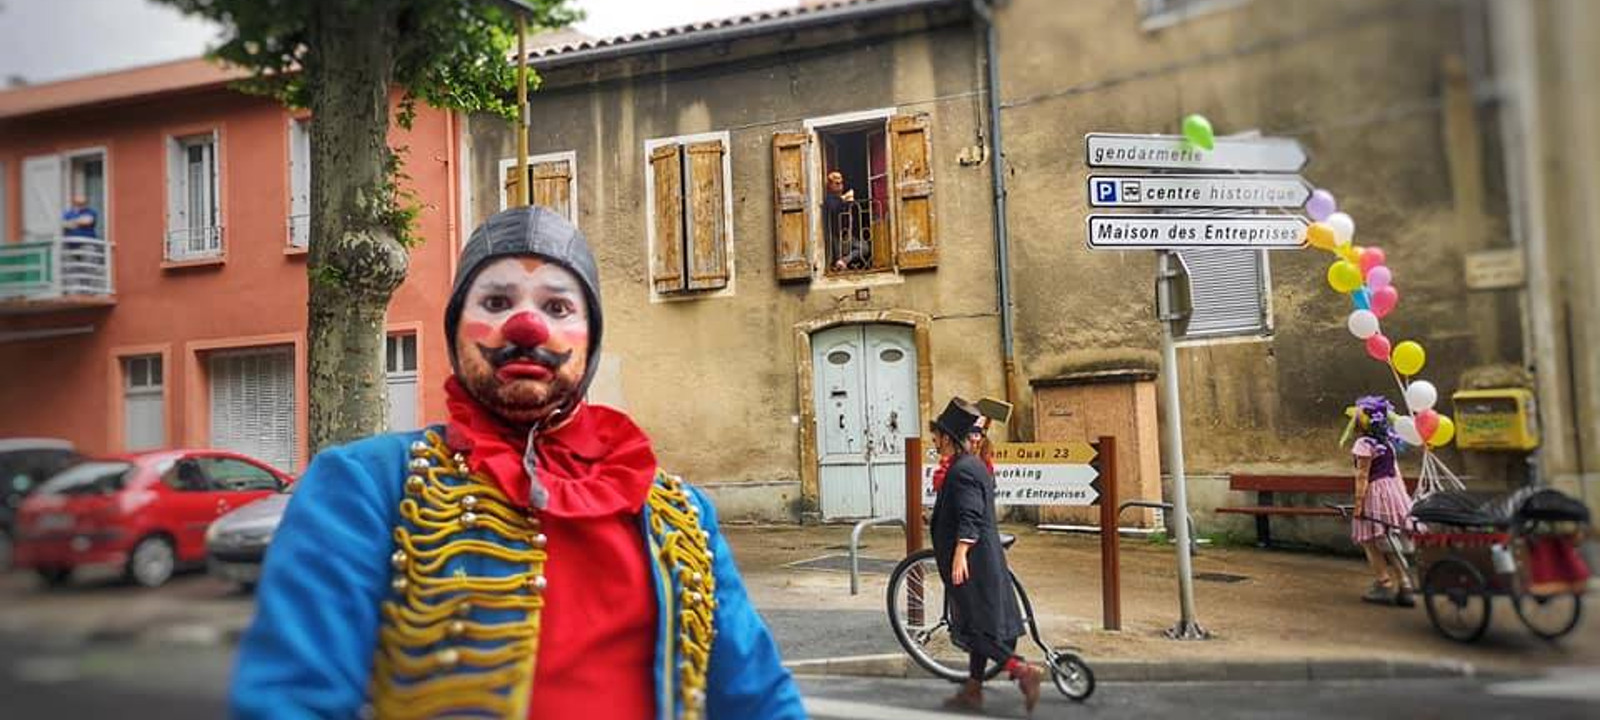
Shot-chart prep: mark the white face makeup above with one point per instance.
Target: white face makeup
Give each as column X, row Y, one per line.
column 522, row 345
column 515, row 285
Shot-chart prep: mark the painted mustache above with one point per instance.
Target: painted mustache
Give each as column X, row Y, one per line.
column 500, row 357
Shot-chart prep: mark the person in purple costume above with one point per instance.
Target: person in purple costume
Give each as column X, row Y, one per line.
column 1380, row 496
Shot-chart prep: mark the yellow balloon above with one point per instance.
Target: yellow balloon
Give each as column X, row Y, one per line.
column 1445, row 433
column 1344, row 276
column 1408, row 358
column 1321, row 236
column 1349, row 251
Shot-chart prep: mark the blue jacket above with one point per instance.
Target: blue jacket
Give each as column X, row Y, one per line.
column 328, row 586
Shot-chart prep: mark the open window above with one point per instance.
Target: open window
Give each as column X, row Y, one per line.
column 52, row 185
column 872, row 210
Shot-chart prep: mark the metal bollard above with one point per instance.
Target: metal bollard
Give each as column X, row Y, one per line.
column 855, row 544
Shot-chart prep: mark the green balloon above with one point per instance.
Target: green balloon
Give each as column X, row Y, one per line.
column 1197, row 130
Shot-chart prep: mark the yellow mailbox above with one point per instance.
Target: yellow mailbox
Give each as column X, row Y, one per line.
column 1496, row 419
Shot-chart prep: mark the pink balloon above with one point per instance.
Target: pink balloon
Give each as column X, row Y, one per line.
column 1383, row 300
column 1378, row 276
column 1427, row 423
column 1370, row 258
column 1378, row 348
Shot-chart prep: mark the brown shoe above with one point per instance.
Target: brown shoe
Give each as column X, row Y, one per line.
column 969, row 698
column 1029, row 677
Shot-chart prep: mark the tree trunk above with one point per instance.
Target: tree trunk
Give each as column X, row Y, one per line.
column 355, row 262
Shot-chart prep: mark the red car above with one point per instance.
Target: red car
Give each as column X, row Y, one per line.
column 144, row 513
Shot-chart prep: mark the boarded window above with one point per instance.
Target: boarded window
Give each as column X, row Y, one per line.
column 689, row 216
column 792, row 231
column 911, row 174
column 1228, row 291
column 551, row 183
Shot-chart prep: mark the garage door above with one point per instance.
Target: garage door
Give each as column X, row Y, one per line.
column 252, row 404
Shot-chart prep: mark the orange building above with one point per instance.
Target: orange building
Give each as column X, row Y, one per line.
column 178, row 318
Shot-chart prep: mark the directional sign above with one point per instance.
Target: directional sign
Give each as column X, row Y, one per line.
column 1063, row 453
column 1172, row 152
column 1198, row 191
column 1172, row 232
column 1037, row 474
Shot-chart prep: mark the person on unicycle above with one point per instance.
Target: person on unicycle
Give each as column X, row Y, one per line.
column 984, row 617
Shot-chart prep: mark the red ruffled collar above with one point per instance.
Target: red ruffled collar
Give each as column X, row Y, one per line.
column 596, row 464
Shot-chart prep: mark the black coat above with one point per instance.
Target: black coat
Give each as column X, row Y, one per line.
column 964, row 509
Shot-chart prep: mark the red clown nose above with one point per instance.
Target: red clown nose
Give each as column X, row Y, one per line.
column 526, row 330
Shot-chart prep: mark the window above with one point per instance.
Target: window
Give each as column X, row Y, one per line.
column 186, row 475
column 300, row 182
column 51, row 185
column 553, row 179
column 1157, row 14
column 194, row 212
column 143, row 405
column 253, row 409
column 872, row 209
column 231, row 475
column 686, row 201
column 1229, row 291
column 400, row 369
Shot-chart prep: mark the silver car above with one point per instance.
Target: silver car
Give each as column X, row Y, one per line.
column 237, row 542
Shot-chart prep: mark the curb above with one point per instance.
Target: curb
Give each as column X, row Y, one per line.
column 1293, row 670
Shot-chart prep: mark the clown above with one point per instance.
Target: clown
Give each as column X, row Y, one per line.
column 526, row 560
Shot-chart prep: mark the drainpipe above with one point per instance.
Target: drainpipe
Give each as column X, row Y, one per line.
column 997, row 174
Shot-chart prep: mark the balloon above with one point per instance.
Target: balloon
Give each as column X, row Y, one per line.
column 1370, row 258
column 1408, row 358
column 1406, row 428
column 1344, row 226
column 1197, row 130
column 1444, row 433
column 1351, row 253
column 1343, row 276
column 1421, row 395
column 1321, row 205
column 1427, row 424
column 1384, row 299
column 1321, row 236
column 1362, row 298
column 1378, row 347
column 1379, row 276
column 1363, row 324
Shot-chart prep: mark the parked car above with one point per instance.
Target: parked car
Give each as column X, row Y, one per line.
column 25, row 463
column 237, row 542
column 144, row 513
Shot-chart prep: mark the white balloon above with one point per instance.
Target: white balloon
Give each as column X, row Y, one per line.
column 1421, row 395
column 1406, row 428
column 1363, row 324
column 1344, row 227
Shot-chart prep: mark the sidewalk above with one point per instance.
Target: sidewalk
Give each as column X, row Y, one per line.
column 1289, row 608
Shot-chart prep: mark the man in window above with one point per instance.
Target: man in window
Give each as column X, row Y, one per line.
column 528, row 559
column 838, row 222
column 79, row 220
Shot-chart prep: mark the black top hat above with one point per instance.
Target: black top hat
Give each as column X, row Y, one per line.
column 958, row 419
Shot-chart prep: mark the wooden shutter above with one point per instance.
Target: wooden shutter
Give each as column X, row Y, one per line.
column 41, row 199
column 789, row 206
column 552, row 186
column 666, row 166
column 510, row 183
column 707, row 218
column 911, row 174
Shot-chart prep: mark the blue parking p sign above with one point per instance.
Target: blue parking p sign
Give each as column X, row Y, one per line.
column 1105, row 191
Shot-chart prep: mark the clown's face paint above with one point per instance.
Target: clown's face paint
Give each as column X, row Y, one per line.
column 523, row 341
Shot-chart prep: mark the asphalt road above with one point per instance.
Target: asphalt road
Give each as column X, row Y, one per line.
column 182, row 682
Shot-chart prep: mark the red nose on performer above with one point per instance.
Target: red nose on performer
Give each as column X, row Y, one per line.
column 526, row 330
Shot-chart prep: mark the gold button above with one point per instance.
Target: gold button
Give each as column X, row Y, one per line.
column 539, row 541
column 448, row 657
column 456, row 628
column 537, row 583
column 420, row 464
column 419, row 448
column 398, row 559
column 399, row 584
column 464, row 610
column 469, row 502
column 469, row 519
column 414, row 484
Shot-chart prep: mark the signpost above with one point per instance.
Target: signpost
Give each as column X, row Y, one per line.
column 1224, row 210
column 1198, row 191
column 1038, row 474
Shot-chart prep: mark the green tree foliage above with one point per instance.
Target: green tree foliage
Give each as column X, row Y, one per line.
column 343, row 59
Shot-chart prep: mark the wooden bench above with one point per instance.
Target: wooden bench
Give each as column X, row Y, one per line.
column 1266, row 486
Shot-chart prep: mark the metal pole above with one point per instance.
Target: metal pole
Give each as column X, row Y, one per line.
column 1105, row 457
column 997, row 181
column 1187, row 628
column 523, row 122
column 914, row 609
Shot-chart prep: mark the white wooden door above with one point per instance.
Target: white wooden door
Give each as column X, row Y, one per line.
column 866, row 404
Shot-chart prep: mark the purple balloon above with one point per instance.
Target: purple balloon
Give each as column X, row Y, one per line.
column 1379, row 277
column 1321, row 205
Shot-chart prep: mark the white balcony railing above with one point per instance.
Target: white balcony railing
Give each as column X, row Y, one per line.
column 55, row 269
column 194, row 243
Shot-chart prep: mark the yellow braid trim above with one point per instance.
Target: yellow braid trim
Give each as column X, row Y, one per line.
column 684, row 547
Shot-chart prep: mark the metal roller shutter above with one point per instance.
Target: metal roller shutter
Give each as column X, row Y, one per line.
column 1228, row 288
column 252, row 404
